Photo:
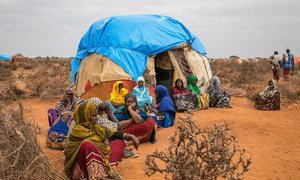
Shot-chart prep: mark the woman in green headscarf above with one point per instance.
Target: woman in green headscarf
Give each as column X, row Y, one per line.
column 90, row 146
column 202, row 98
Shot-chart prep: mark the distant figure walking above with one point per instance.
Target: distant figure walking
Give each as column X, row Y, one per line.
column 287, row 64
column 276, row 62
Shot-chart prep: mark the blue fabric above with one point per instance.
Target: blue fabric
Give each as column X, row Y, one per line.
column 114, row 109
column 164, row 101
column 142, row 93
column 60, row 128
column 290, row 62
column 129, row 40
column 167, row 121
column 5, row 57
column 125, row 115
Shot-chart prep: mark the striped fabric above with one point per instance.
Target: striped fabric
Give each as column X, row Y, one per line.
column 182, row 61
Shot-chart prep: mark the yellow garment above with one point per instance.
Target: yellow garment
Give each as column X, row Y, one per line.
column 203, row 100
column 83, row 131
column 117, row 95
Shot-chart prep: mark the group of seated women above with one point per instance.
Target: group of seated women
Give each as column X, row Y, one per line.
column 192, row 97
column 94, row 133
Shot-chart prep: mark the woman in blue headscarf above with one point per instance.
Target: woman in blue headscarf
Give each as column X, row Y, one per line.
column 144, row 100
column 165, row 113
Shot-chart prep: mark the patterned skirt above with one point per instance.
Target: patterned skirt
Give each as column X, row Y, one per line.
column 184, row 102
column 219, row 100
column 143, row 131
column 90, row 163
column 269, row 104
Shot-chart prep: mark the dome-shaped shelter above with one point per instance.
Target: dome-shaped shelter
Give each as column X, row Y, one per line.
column 125, row 47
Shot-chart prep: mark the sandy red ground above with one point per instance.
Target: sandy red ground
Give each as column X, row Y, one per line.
column 272, row 138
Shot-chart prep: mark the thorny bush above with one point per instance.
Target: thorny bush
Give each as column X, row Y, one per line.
column 20, row 155
column 196, row 153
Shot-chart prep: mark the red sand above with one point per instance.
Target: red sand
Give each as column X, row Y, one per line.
column 272, row 138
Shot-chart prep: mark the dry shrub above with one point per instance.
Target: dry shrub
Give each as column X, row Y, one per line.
column 48, row 81
column 20, row 155
column 243, row 74
column 252, row 76
column 10, row 92
column 5, row 71
column 196, row 153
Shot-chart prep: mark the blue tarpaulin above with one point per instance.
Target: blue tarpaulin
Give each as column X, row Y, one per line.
column 129, row 40
column 5, row 57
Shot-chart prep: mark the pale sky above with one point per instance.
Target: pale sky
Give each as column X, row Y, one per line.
column 246, row 28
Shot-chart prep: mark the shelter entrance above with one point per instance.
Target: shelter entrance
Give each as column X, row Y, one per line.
column 164, row 70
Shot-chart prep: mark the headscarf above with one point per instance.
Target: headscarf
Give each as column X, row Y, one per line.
column 179, row 90
column 117, row 94
column 176, row 82
column 125, row 113
column 270, row 90
column 68, row 90
column 164, row 101
column 142, row 93
column 83, row 131
column 215, row 84
column 95, row 100
column 133, row 96
column 192, row 85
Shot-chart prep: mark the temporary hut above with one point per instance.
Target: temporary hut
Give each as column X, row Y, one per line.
column 125, row 47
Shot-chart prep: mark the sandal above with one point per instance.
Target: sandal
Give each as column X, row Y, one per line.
column 128, row 154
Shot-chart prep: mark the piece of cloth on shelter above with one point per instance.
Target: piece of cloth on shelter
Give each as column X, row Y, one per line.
column 5, row 57
column 96, row 69
column 127, row 47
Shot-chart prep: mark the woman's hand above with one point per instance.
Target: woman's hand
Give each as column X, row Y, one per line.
column 135, row 140
column 131, row 106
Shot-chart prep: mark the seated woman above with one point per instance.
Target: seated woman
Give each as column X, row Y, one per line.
column 57, row 134
column 183, row 99
column 218, row 97
column 67, row 103
column 144, row 100
column 135, row 121
column 116, row 101
column 109, row 121
column 92, row 150
column 202, row 99
column 165, row 113
column 269, row 98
